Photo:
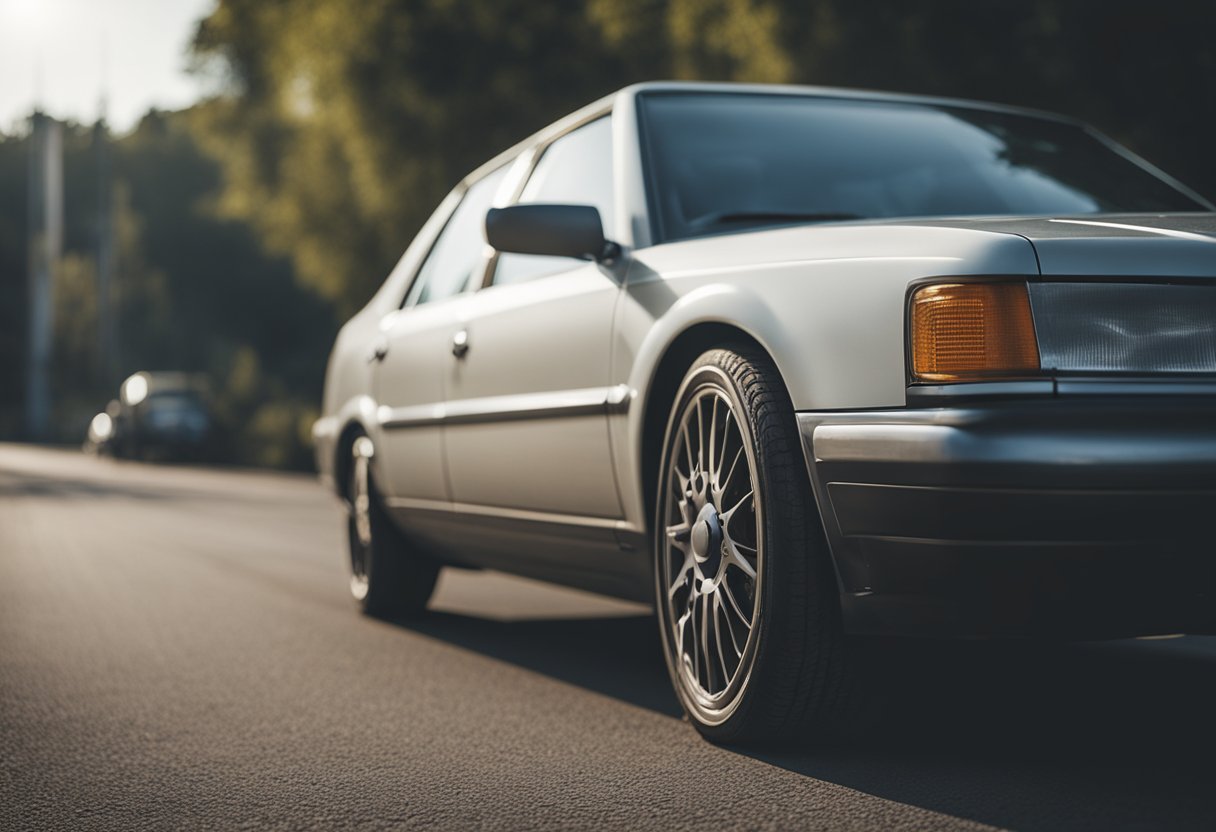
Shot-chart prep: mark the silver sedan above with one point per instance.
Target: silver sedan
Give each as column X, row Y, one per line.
column 795, row 364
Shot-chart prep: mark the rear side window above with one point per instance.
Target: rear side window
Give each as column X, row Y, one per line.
column 458, row 250
column 576, row 169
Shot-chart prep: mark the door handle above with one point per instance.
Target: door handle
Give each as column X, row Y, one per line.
column 460, row 343
column 379, row 350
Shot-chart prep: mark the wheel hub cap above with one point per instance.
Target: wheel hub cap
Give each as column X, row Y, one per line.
column 707, row 540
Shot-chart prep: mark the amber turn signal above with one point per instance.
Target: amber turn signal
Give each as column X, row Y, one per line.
column 972, row 331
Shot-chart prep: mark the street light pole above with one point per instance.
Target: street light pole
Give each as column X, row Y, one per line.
column 45, row 250
column 105, row 258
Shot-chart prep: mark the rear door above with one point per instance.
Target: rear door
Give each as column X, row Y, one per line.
column 415, row 352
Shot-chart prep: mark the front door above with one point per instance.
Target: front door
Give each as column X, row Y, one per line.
column 527, row 399
column 526, row 403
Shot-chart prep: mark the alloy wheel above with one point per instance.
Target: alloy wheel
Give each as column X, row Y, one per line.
column 711, row 551
column 360, row 520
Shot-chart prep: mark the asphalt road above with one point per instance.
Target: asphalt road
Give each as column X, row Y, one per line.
column 177, row 650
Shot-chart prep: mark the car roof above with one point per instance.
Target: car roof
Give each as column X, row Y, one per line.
column 856, row 94
column 603, row 106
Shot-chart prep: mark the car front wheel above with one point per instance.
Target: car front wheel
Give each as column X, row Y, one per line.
column 388, row 577
column 745, row 591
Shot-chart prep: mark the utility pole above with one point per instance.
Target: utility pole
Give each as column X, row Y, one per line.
column 107, row 347
column 45, row 249
column 106, row 361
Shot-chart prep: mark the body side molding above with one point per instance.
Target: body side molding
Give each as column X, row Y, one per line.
column 591, row 401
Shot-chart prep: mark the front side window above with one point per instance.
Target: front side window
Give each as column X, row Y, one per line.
column 726, row 161
column 576, row 169
column 449, row 267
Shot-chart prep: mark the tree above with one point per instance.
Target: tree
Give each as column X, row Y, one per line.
column 340, row 132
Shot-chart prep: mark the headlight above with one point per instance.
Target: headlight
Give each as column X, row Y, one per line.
column 101, row 427
column 135, row 389
column 1143, row 328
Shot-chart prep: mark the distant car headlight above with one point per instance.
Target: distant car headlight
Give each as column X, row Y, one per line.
column 135, row 389
column 101, row 427
column 972, row 331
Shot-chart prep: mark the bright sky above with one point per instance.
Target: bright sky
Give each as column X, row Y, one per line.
column 56, row 53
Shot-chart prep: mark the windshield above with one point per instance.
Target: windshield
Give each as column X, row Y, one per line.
column 724, row 161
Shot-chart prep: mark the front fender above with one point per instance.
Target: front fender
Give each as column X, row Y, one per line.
column 657, row 319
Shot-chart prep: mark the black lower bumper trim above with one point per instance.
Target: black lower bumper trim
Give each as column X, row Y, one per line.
column 1049, row 519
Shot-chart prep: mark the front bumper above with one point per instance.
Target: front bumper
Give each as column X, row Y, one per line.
column 1094, row 519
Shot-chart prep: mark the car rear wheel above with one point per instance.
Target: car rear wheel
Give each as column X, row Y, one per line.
column 745, row 591
column 389, row 578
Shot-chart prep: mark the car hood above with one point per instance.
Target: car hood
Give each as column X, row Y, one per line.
column 1166, row 245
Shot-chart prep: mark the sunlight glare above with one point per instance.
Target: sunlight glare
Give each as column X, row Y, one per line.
column 29, row 12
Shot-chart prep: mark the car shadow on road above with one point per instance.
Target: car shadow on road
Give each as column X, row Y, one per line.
column 618, row 656
column 1036, row 736
column 1027, row 736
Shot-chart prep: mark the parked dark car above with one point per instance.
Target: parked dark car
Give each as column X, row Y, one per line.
column 160, row 415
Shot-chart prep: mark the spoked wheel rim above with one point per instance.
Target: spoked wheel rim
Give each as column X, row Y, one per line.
column 711, row 551
column 360, row 517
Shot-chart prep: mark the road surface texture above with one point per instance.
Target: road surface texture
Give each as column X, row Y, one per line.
column 177, row 650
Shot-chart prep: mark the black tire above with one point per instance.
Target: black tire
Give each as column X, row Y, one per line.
column 790, row 680
column 389, row 578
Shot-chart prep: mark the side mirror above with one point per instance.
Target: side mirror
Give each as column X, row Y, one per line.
column 557, row 230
